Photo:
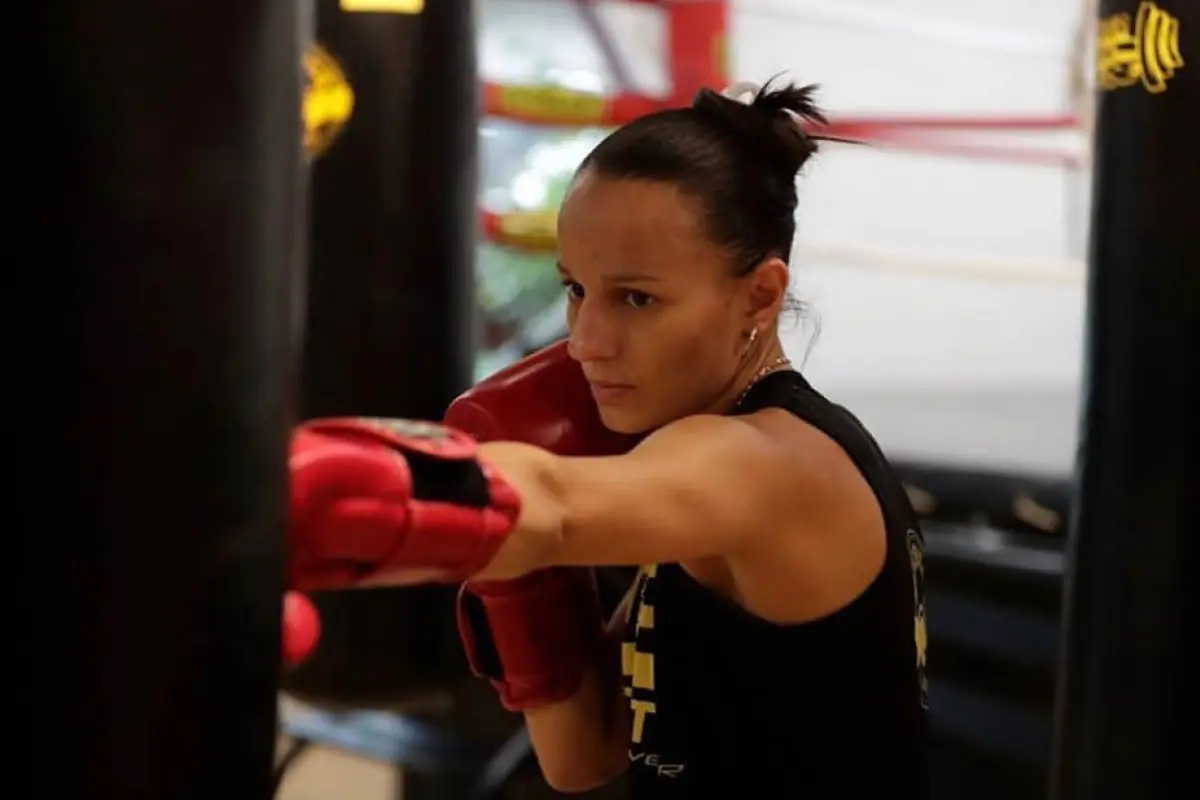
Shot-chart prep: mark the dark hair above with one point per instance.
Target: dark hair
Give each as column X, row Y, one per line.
column 738, row 161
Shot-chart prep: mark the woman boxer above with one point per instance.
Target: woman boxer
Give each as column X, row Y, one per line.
column 775, row 635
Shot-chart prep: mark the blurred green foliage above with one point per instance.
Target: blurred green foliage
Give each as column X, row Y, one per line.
column 515, row 286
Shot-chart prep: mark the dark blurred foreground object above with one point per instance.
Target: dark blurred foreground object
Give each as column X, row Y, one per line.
column 1125, row 692
column 169, row 209
column 391, row 315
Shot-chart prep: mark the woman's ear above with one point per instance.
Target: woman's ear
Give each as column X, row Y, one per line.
column 766, row 289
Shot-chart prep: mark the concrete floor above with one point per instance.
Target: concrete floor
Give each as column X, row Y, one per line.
column 322, row 773
column 325, row 774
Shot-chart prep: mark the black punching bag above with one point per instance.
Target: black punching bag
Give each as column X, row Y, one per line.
column 1126, row 693
column 393, row 117
column 169, row 211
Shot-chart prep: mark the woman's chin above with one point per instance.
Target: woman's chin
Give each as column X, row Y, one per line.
column 624, row 420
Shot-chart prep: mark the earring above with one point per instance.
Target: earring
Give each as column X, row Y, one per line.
column 753, row 336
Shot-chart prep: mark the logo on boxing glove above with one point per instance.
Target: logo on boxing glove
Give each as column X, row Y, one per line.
column 420, row 436
column 410, row 428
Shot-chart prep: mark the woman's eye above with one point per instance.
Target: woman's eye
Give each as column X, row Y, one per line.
column 574, row 290
column 638, row 299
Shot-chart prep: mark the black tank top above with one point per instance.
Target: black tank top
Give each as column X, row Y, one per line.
column 726, row 702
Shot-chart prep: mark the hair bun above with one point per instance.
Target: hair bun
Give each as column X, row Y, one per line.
column 772, row 122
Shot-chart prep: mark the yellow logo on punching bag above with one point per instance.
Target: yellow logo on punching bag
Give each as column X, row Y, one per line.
column 383, row 6
column 1140, row 49
column 328, row 100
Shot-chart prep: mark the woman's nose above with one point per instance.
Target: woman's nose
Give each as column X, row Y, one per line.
column 592, row 333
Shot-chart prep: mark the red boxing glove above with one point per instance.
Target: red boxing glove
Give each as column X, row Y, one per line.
column 543, row 400
column 301, row 628
column 369, row 496
column 535, row 637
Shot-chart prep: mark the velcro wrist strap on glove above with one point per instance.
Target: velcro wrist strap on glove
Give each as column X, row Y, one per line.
column 370, row 495
column 534, row 638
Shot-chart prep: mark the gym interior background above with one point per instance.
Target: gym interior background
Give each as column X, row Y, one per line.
column 954, row 267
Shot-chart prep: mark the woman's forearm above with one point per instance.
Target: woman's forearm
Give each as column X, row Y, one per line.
column 534, row 474
column 583, row 742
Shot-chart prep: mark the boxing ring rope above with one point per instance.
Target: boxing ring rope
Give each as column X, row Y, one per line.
column 550, row 105
column 534, row 231
column 555, row 106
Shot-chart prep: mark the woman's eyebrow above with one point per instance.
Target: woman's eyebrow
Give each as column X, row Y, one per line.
column 631, row 277
column 622, row 277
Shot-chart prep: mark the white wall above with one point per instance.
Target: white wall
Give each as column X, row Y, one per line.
column 969, row 369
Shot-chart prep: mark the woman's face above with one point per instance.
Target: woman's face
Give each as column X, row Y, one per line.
column 656, row 319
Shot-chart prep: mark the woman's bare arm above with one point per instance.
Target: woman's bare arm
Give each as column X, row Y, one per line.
column 700, row 487
column 583, row 742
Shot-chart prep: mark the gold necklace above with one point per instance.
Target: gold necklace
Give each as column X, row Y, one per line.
column 777, row 364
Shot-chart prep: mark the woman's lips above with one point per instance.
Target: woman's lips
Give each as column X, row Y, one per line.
column 608, row 392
